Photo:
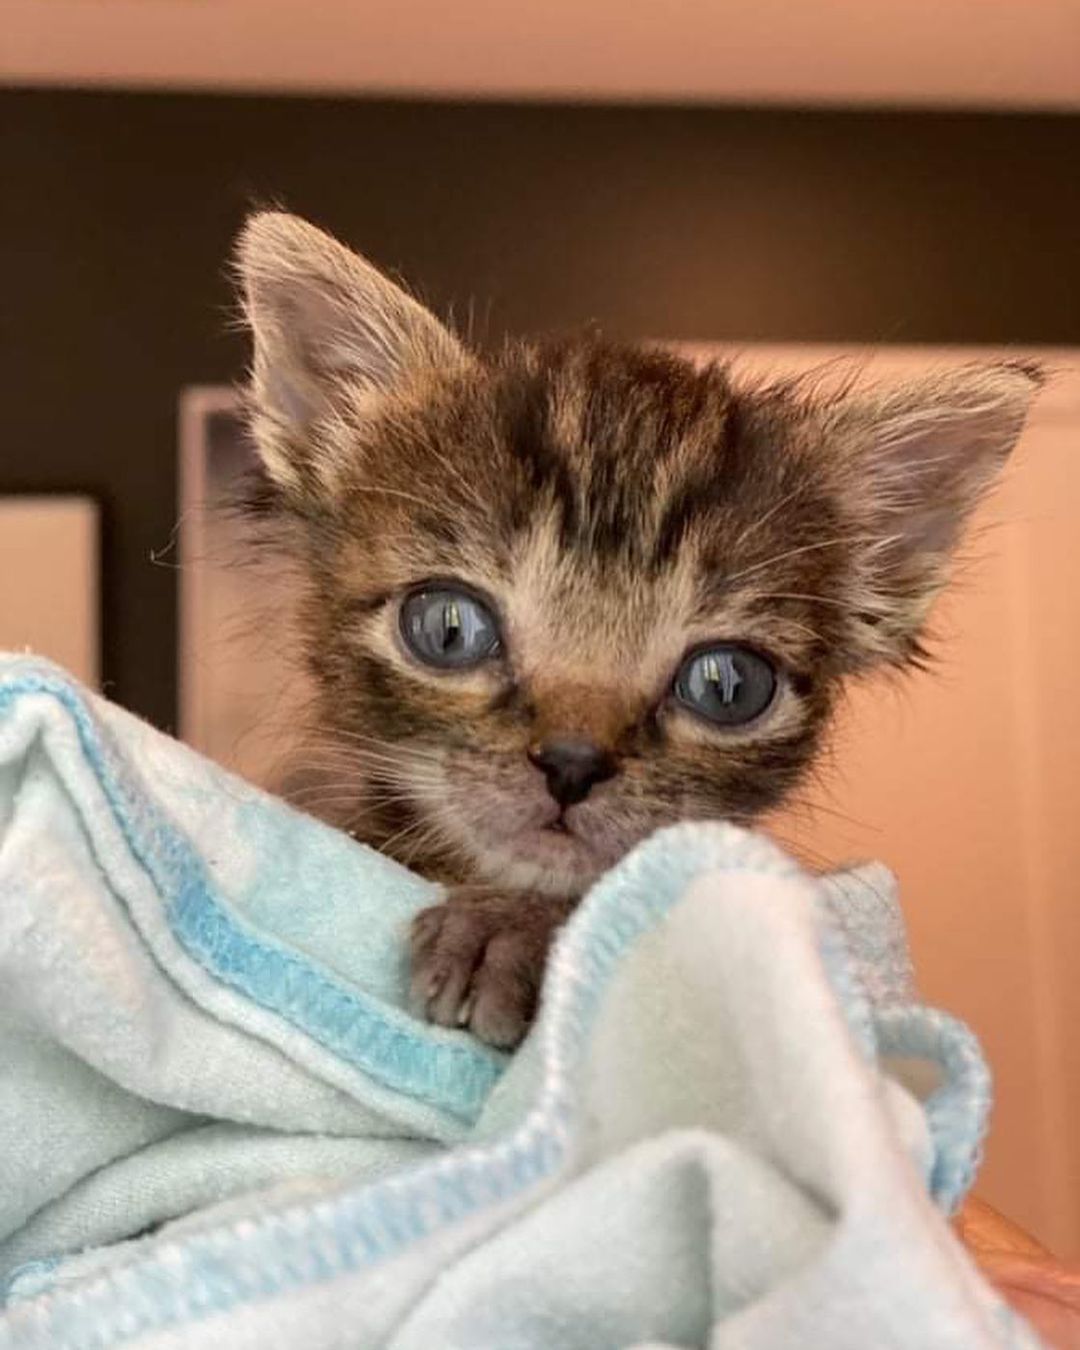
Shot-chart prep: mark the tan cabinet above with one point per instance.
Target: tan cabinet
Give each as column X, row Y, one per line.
column 49, row 587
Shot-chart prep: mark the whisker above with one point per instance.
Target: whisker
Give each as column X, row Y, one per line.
column 359, row 758
column 776, row 506
column 334, row 741
column 795, row 552
column 438, row 838
column 812, row 633
column 387, row 749
column 812, row 807
column 363, row 802
column 356, row 761
column 391, row 492
column 810, row 599
column 802, row 852
column 420, row 824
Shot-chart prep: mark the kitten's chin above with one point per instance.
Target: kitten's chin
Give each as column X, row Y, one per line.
column 551, row 859
column 528, row 845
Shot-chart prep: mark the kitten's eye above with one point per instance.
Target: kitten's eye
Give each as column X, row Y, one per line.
column 729, row 685
column 448, row 628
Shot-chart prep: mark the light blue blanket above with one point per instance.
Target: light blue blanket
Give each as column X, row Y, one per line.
column 732, row 1126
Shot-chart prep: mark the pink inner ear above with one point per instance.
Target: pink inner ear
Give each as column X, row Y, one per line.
column 284, row 385
column 316, row 337
column 937, row 447
column 323, row 318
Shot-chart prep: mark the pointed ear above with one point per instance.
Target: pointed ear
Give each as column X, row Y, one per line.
column 925, row 454
column 330, row 332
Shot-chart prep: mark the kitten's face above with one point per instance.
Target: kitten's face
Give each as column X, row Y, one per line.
column 573, row 525
column 564, row 596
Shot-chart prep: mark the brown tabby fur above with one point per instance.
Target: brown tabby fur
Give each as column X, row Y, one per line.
column 616, row 507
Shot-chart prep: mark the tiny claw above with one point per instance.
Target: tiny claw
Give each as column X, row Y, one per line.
column 465, row 1012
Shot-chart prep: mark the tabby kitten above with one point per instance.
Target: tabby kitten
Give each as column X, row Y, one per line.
column 559, row 596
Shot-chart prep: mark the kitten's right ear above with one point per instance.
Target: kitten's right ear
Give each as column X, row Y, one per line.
column 927, row 453
column 330, row 331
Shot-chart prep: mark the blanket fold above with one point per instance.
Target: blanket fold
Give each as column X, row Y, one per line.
column 733, row 1124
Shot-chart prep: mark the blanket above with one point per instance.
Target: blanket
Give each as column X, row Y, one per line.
column 733, row 1125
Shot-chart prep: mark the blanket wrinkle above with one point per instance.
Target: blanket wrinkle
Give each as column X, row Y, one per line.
column 734, row 1123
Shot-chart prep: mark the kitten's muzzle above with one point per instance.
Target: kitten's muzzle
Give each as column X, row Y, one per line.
column 572, row 767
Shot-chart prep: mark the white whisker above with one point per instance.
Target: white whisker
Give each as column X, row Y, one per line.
column 762, row 520
column 810, row 599
column 795, row 552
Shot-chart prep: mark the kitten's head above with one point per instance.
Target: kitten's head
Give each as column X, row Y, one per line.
column 563, row 595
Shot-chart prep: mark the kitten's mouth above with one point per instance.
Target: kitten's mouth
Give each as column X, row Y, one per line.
column 553, row 841
column 533, row 843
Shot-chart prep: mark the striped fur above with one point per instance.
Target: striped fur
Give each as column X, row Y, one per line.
column 617, row 506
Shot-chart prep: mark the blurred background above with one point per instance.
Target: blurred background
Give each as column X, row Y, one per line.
column 780, row 181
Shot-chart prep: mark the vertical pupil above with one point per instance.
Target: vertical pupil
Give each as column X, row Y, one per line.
column 720, row 672
column 451, row 625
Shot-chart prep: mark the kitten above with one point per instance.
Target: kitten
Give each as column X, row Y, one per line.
column 559, row 596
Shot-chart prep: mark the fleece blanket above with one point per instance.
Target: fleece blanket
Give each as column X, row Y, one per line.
column 733, row 1125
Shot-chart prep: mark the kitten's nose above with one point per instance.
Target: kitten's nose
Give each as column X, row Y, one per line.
column 572, row 767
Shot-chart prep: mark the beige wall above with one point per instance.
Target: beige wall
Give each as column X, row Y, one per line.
column 993, row 53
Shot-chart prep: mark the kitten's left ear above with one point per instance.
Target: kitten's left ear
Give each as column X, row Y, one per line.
column 330, row 331
column 925, row 455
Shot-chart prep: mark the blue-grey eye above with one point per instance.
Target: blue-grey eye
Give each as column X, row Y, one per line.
column 449, row 628
column 726, row 684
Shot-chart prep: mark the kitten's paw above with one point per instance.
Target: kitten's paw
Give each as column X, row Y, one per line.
column 477, row 962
